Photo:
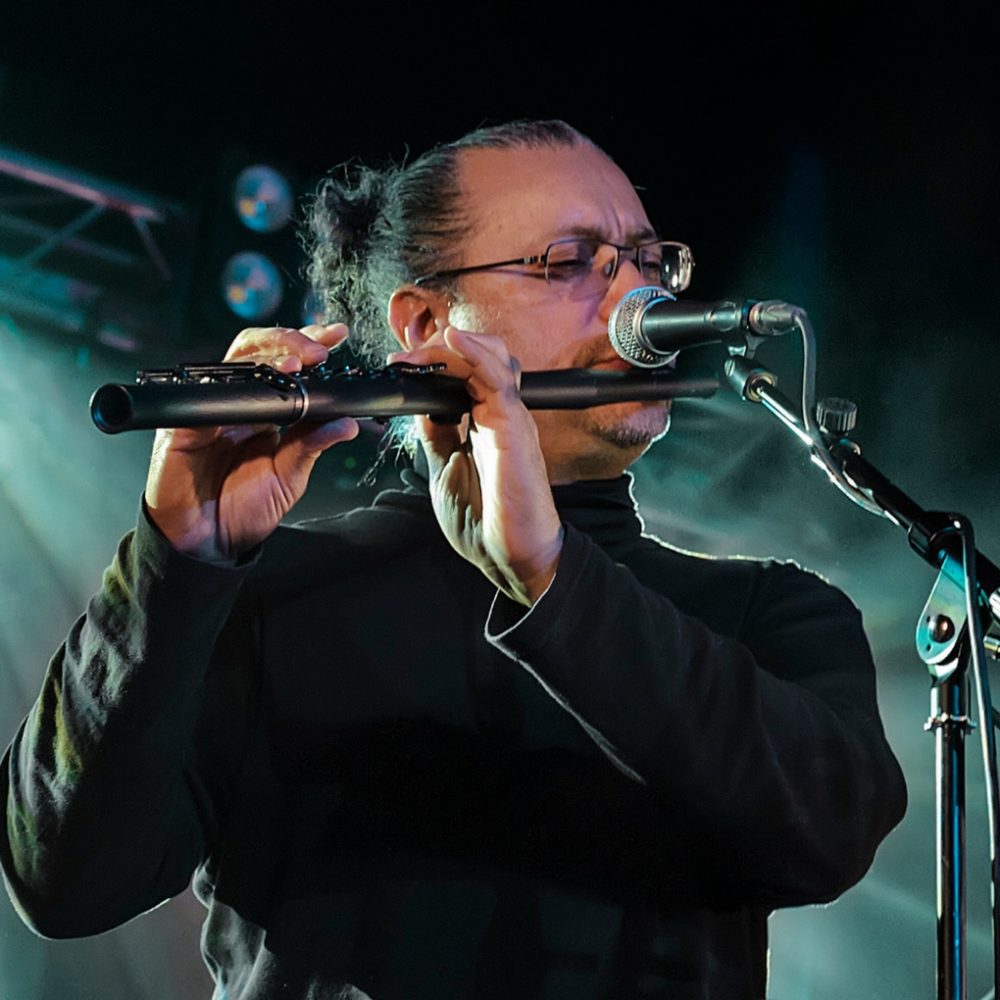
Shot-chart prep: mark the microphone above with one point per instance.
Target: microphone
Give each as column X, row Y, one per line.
column 648, row 327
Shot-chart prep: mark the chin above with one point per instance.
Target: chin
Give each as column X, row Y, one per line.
column 631, row 426
column 599, row 443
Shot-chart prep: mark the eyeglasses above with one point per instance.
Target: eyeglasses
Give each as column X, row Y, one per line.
column 589, row 266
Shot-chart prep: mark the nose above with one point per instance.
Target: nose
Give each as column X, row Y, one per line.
column 627, row 278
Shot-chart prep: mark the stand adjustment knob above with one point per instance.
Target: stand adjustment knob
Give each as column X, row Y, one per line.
column 836, row 416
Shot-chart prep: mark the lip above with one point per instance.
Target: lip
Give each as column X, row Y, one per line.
column 620, row 364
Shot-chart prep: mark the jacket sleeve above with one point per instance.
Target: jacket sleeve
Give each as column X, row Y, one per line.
column 111, row 796
column 768, row 744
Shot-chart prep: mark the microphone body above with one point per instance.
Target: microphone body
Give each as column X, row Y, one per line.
column 648, row 327
column 256, row 394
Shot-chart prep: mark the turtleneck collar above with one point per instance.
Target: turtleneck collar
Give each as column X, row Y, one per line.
column 604, row 509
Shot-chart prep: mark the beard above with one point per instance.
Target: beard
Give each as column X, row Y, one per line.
column 602, row 442
column 629, row 427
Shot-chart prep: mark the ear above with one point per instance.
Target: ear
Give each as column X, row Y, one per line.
column 416, row 314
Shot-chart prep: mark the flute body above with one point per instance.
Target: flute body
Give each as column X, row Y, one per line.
column 245, row 393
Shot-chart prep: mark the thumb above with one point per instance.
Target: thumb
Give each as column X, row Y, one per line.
column 440, row 441
column 301, row 446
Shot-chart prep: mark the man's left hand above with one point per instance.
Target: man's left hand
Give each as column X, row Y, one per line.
column 488, row 481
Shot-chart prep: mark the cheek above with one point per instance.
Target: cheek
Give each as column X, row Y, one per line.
column 519, row 335
column 466, row 316
column 542, row 336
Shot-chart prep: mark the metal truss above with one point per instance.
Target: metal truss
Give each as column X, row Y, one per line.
column 82, row 253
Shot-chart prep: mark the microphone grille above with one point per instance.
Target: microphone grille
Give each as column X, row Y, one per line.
column 624, row 327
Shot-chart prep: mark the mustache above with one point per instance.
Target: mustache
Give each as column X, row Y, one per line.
column 602, row 353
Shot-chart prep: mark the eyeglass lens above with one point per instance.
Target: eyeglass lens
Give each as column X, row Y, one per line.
column 590, row 265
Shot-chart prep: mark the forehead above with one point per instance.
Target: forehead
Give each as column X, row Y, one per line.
column 516, row 199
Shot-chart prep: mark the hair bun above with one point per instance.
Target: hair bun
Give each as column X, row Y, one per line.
column 347, row 208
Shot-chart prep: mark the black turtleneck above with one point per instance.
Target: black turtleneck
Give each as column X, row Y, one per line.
column 605, row 509
column 392, row 780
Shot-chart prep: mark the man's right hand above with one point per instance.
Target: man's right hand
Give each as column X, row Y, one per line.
column 217, row 492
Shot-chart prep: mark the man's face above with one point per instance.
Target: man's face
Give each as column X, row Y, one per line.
column 518, row 201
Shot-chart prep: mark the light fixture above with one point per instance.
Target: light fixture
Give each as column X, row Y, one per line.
column 262, row 198
column 251, row 285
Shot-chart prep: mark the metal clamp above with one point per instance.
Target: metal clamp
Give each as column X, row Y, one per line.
column 941, row 625
column 945, row 719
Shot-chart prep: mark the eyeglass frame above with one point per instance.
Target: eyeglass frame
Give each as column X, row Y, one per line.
column 542, row 259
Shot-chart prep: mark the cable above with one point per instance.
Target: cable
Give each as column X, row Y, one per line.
column 820, row 449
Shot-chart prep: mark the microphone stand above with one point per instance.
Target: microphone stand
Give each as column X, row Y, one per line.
column 947, row 636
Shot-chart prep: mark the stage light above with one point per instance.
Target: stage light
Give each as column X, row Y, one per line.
column 262, row 198
column 249, row 259
column 252, row 286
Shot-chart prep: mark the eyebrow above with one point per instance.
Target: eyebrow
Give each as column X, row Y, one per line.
column 634, row 237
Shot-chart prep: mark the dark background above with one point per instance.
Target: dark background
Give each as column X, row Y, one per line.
column 845, row 160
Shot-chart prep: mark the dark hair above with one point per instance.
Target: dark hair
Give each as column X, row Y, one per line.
column 372, row 230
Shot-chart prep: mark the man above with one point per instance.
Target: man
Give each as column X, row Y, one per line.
column 483, row 739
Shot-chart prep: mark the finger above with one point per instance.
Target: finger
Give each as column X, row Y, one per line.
column 478, row 348
column 258, row 340
column 288, row 364
column 279, row 341
column 195, row 439
column 169, row 439
column 330, row 335
column 432, row 355
column 492, row 370
column 304, row 443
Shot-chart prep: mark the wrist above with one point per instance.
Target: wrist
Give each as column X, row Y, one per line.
column 532, row 578
column 184, row 537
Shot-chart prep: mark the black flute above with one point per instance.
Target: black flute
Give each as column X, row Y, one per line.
column 207, row 395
